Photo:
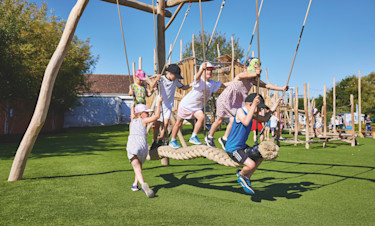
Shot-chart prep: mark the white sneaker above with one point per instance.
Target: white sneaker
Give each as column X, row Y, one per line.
column 146, row 189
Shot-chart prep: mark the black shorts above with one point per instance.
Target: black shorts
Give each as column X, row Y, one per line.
column 241, row 155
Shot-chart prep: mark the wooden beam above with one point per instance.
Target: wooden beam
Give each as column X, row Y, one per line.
column 231, row 38
column 359, row 105
column 325, row 111
column 334, row 106
column 296, row 118
column 174, row 15
column 161, row 34
column 172, row 3
column 138, row 5
column 352, row 114
column 307, row 145
column 45, row 94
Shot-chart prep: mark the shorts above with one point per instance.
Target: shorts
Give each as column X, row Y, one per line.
column 141, row 156
column 254, row 125
column 241, row 155
column 165, row 113
column 186, row 114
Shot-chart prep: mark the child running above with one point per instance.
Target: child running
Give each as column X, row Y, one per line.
column 137, row 147
column 138, row 89
column 168, row 84
column 236, row 146
column 191, row 106
column 233, row 98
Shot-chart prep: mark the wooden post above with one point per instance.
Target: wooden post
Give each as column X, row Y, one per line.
column 133, row 65
column 307, row 145
column 155, row 63
column 290, row 111
column 231, row 38
column 308, row 97
column 218, row 50
column 161, row 34
column 359, row 106
column 45, row 94
column 352, row 114
column 325, row 111
column 170, row 54
column 278, row 130
column 268, row 81
column 334, row 106
column 296, row 118
column 195, row 59
column 181, row 50
column 140, row 63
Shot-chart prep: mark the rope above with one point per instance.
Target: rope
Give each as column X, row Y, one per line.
column 217, row 20
column 123, row 38
column 252, row 36
column 196, row 151
column 299, row 40
column 204, row 60
column 258, row 80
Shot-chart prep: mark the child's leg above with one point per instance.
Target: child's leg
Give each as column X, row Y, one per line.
column 137, row 167
column 156, row 130
column 200, row 120
column 165, row 128
column 215, row 125
column 252, row 167
column 229, row 127
column 176, row 127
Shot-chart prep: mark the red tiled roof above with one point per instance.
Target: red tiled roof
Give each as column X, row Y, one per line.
column 109, row 83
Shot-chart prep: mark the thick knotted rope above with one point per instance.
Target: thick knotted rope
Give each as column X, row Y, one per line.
column 196, row 151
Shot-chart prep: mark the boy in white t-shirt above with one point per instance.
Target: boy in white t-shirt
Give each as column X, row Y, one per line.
column 168, row 84
column 273, row 123
column 191, row 106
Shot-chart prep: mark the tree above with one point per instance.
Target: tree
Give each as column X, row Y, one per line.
column 28, row 38
column 225, row 46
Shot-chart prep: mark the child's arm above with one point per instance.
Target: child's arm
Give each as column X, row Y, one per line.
column 274, row 87
column 268, row 115
column 246, row 119
column 131, row 91
column 156, row 115
column 249, row 75
column 132, row 113
column 200, row 72
column 153, row 84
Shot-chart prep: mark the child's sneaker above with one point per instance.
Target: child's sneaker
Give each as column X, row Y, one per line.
column 146, row 189
column 135, row 188
column 246, row 185
column 222, row 142
column 174, row 144
column 238, row 173
column 194, row 140
column 210, row 142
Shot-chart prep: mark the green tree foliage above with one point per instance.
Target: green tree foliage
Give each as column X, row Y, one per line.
column 349, row 85
column 225, row 46
column 28, row 38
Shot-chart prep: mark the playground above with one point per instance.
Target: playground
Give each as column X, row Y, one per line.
column 86, row 182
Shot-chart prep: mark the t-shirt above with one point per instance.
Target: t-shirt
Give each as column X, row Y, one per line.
column 139, row 94
column 273, row 121
column 168, row 89
column 341, row 121
column 369, row 121
column 194, row 100
column 238, row 134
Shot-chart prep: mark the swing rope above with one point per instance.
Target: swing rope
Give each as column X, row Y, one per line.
column 252, row 36
column 299, row 40
column 258, row 77
column 217, row 20
column 123, row 39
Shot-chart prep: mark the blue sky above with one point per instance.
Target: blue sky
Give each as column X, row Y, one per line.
column 338, row 40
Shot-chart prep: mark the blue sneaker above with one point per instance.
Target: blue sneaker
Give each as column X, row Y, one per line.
column 174, row 144
column 135, row 188
column 194, row 140
column 238, row 173
column 246, row 185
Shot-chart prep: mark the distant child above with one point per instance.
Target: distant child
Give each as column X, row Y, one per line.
column 138, row 90
column 368, row 124
column 191, row 106
column 267, row 130
column 233, row 98
column 273, row 123
column 168, row 84
column 137, row 147
column 236, row 146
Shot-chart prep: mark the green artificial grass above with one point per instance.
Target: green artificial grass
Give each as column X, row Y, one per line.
column 83, row 177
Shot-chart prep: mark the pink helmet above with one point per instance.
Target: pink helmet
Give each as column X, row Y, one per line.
column 140, row 74
column 141, row 108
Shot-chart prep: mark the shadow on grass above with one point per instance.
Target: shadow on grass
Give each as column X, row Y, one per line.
column 74, row 141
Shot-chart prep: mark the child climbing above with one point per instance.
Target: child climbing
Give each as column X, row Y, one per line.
column 168, row 84
column 137, row 147
column 191, row 106
column 236, row 146
column 233, row 98
column 138, row 89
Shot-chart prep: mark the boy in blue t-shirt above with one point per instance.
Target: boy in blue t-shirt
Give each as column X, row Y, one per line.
column 236, row 146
